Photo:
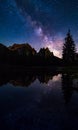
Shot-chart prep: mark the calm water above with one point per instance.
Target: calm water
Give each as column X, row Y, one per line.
column 39, row 102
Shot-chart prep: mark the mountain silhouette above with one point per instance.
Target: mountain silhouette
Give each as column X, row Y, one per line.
column 25, row 55
column 23, row 49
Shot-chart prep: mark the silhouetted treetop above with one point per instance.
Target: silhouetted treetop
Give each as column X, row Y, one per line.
column 69, row 50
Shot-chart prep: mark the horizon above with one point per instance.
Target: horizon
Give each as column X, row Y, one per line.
column 55, row 52
column 40, row 23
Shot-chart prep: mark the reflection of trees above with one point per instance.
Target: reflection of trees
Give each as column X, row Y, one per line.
column 25, row 82
column 67, row 86
column 17, row 78
column 44, row 78
column 25, row 78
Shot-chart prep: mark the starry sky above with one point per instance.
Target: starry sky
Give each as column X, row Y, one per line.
column 41, row 23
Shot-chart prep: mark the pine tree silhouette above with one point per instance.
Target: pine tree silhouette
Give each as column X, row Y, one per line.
column 69, row 50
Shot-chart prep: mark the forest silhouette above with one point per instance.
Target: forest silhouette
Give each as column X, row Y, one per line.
column 25, row 55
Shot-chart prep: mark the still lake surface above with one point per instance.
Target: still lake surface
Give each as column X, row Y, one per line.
column 39, row 102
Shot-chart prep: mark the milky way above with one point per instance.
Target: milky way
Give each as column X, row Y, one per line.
column 42, row 23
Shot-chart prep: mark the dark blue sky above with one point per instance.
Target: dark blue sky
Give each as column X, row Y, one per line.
column 42, row 23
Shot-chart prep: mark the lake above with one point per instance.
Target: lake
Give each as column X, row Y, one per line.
column 39, row 101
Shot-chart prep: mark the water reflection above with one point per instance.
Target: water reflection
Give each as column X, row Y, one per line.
column 69, row 82
column 36, row 100
column 26, row 78
column 69, row 85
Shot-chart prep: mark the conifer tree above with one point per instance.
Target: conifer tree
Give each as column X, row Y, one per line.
column 69, row 50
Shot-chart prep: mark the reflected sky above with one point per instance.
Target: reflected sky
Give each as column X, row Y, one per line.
column 52, row 104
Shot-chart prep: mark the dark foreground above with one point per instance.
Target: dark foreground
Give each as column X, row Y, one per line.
column 39, row 100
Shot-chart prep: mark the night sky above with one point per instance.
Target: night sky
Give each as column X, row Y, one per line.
column 41, row 23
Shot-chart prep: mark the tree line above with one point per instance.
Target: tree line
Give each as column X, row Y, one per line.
column 24, row 54
column 69, row 54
